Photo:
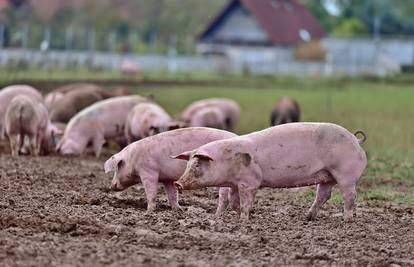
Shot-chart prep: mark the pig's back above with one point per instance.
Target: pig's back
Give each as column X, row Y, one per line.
column 110, row 113
column 9, row 92
column 298, row 147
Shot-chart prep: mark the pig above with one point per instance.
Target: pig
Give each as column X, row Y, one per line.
column 230, row 109
column 147, row 119
column 285, row 156
column 28, row 117
column 129, row 68
column 73, row 102
column 93, row 125
column 286, row 110
column 52, row 99
column 211, row 117
column 148, row 161
column 6, row 96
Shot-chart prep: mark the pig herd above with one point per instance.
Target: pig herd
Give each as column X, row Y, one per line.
column 194, row 151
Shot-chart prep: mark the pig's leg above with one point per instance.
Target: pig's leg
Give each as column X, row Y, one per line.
column 33, row 144
column 323, row 194
column 172, row 195
column 246, row 201
column 150, row 183
column 235, row 199
column 224, row 195
column 14, row 145
column 347, row 186
column 97, row 143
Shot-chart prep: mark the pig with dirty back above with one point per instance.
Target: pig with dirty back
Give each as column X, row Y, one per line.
column 65, row 95
column 147, row 119
column 286, row 110
column 73, row 102
column 148, row 161
column 212, row 117
column 229, row 108
column 6, row 96
column 26, row 117
column 97, row 123
column 285, row 156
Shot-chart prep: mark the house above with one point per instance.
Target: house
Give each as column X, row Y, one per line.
column 257, row 30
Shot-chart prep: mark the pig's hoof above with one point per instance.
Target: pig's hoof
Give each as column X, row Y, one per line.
column 348, row 219
column 311, row 217
column 178, row 208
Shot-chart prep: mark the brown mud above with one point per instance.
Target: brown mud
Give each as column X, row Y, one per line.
column 57, row 211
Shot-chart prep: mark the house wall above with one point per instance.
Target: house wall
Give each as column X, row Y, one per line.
column 239, row 27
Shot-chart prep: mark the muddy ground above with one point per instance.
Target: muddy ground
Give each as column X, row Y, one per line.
column 58, row 211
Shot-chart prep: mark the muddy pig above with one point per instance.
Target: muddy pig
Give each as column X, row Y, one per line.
column 147, row 119
column 229, row 108
column 28, row 117
column 73, row 102
column 211, row 117
column 6, row 96
column 93, row 125
column 286, row 110
column 285, row 156
column 52, row 99
column 148, row 161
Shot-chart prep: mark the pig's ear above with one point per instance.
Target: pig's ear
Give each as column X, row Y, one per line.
column 113, row 164
column 184, row 156
column 203, row 156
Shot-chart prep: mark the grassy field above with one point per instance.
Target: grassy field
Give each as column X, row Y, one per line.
column 384, row 111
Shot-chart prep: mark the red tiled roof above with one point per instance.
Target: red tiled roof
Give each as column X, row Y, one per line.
column 282, row 20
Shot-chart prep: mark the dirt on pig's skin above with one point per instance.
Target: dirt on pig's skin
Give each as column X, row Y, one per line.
column 57, row 211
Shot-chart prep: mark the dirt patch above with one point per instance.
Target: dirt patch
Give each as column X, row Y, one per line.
column 58, row 211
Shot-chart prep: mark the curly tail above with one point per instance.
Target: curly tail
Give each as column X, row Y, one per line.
column 364, row 137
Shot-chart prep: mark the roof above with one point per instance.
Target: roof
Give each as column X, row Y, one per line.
column 282, row 20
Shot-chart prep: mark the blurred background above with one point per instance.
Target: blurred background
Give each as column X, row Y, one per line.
column 293, row 37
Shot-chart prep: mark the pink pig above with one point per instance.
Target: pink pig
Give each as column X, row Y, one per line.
column 6, row 96
column 229, row 108
column 147, row 119
column 285, row 156
column 148, row 161
column 96, row 123
column 28, row 117
column 208, row 117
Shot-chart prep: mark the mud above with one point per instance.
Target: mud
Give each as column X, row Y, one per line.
column 58, row 211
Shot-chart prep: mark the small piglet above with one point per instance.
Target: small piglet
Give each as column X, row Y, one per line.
column 147, row 119
column 228, row 107
column 6, row 96
column 285, row 156
column 211, row 117
column 28, row 117
column 148, row 161
column 98, row 122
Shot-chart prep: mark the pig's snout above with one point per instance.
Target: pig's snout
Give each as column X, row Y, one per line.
column 114, row 186
column 178, row 186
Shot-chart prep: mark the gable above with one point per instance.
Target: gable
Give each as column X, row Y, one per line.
column 277, row 22
column 238, row 27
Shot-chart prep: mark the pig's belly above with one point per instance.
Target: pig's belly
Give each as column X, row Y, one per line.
column 298, row 179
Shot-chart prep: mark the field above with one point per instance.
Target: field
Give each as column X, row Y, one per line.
column 59, row 211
